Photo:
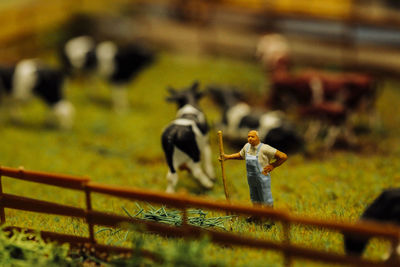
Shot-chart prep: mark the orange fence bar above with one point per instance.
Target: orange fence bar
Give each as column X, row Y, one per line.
column 28, row 204
column 61, row 180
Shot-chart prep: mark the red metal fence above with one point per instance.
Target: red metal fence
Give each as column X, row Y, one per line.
column 183, row 202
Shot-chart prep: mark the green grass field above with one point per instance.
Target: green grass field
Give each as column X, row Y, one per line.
column 125, row 150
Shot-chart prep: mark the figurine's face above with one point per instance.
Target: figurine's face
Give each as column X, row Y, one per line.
column 252, row 138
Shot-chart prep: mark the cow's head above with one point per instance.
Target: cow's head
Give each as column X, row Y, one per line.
column 189, row 95
column 271, row 48
column 225, row 97
column 384, row 209
column 79, row 53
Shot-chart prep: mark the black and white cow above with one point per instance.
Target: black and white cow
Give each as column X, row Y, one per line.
column 385, row 209
column 238, row 118
column 117, row 64
column 31, row 77
column 185, row 140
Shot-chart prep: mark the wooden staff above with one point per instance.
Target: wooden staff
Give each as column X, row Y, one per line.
column 221, row 154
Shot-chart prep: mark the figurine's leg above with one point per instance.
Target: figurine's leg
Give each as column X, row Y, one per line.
column 209, row 169
column 172, row 179
column 264, row 191
column 254, row 196
column 200, row 175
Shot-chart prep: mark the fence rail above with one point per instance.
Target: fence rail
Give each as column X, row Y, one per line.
column 25, row 21
column 183, row 202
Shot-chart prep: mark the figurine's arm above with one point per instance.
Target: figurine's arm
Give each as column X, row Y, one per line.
column 279, row 157
column 232, row 156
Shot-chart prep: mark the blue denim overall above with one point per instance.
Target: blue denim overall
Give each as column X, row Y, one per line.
column 259, row 184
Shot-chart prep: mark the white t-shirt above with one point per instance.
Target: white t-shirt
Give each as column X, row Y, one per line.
column 266, row 154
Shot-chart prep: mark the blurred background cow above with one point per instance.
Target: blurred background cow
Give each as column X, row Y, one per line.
column 238, row 118
column 31, row 77
column 326, row 99
column 385, row 209
column 117, row 64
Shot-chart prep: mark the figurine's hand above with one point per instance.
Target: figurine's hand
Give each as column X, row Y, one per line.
column 267, row 169
column 222, row 157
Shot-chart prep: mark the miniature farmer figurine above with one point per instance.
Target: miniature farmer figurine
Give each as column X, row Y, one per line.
column 259, row 164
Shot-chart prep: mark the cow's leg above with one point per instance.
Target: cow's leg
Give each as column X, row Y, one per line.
column 349, row 135
column 312, row 131
column 317, row 90
column 171, row 157
column 120, row 101
column 374, row 119
column 93, row 84
column 198, row 173
column 330, row 139
column 13, row 108
column 15, row 111
column 172, row 179
column 63, row 112
column 175, row 158
column 208, row 167
column 206, row 154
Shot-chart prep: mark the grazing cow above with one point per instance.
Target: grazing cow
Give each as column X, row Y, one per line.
column 30, row 77
column 385, row 209
column 238, row 118
column 355, row 91
column 185, row 140
column 117, row 64
column 326, row 99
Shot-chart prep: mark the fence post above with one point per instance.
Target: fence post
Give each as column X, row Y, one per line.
column 2, row 214
column 184, row 217
column 286, row 241
column 184, row 211
column 88, row 209
column 394, row 258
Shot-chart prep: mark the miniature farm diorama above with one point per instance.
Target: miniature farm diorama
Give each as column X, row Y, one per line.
column 156, row 131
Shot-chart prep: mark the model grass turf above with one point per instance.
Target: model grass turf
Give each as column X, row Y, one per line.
column 125, row 150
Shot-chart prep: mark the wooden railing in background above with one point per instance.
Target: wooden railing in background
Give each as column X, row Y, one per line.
column 31, row 17
column 21, row 23
column 354, row 11
column 183, row 202
column 329, row 32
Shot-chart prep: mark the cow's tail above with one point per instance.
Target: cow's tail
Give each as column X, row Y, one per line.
column 168, row 147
